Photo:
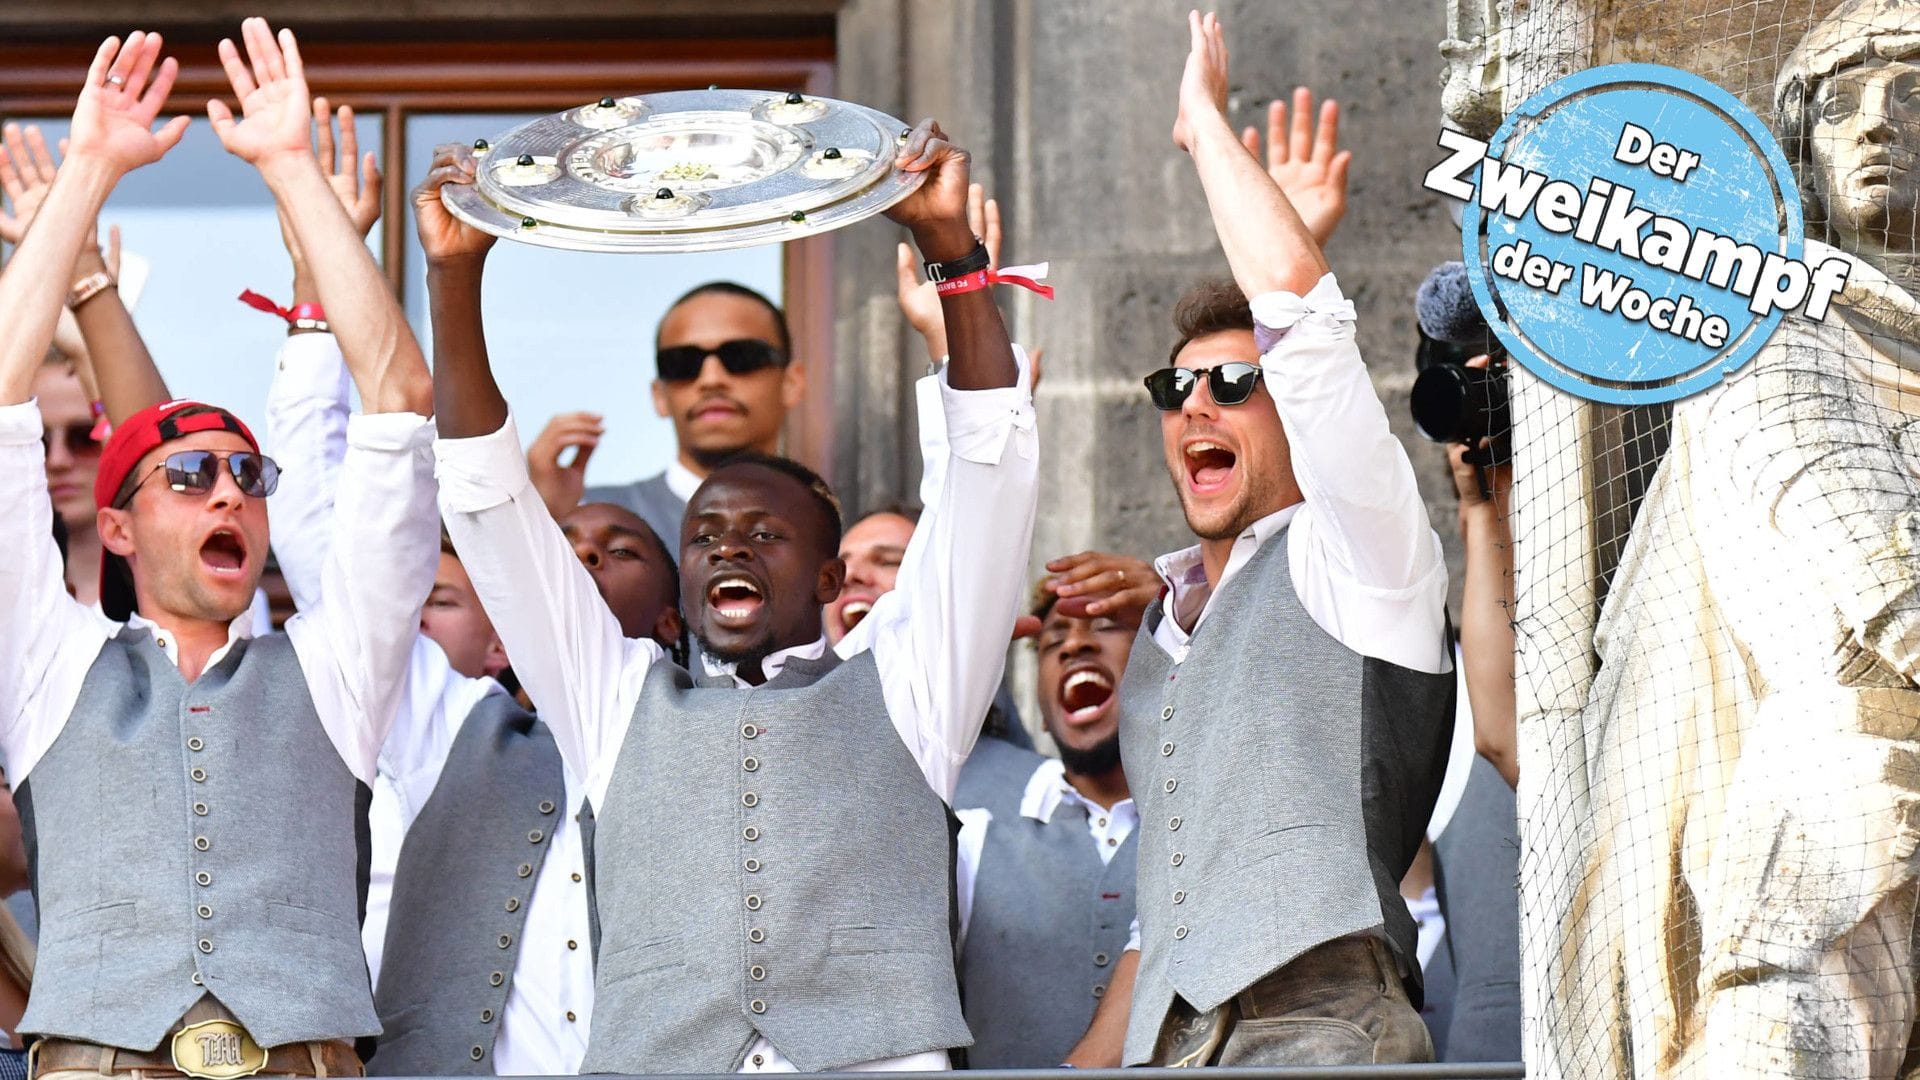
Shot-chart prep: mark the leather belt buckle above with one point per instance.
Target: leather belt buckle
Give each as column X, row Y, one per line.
column 217, row 1050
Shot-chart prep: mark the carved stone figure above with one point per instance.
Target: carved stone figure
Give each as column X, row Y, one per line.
column 1751, row 881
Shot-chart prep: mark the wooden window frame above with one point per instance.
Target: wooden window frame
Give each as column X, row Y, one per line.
column 394, row 78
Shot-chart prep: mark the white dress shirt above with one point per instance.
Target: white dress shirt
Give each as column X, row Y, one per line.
column 939, row 639
column 1047, row 789
column 353, row 654
column 1364, row 560
column 545, row 1023
column 682, row 481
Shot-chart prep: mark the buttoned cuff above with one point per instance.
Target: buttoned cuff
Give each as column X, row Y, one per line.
column 481, row 472
column 310, row 366
column 982, row 423
column 1275, row 313
column 20, row 424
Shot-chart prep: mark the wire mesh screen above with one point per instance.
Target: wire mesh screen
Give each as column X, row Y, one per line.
column 1717, row 605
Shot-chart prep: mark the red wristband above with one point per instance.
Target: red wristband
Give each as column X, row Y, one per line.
column 293, row 314
column 1024, row 276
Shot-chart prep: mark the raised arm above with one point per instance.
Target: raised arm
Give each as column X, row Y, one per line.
column 566, row 646
column 1486, row 609
column 940, row 637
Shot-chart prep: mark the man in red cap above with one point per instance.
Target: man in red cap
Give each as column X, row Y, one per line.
column 191, row 794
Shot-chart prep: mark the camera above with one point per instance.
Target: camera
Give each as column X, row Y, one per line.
column 1452, row 402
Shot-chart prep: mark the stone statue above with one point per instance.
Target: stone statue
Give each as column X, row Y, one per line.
column 1751, row 879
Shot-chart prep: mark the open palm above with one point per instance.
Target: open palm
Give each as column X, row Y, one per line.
column 274, row 102
column 113, row 120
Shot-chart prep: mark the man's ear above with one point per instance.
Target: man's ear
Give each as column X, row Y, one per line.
column 667, row 628
column 660, row 405
column 793, row 384
column 494, row 661
column 116, row 530
column 832, row 578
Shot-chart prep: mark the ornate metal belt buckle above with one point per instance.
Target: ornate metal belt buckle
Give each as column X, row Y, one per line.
column 687, row 170
column 217, row 1050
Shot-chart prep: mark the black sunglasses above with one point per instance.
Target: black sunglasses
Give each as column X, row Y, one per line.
column 1230, row 384
column 77, row 438
column 742, row 356
column 194, row 472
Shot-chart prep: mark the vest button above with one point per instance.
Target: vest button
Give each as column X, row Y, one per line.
column 201, row 843
column 497, row 978
column 1099, row 959
column 1179, row 896
column 1178, row 858
column 513, row 903
column 1171, row 785
column 486, row 1016
column 753, row 866
column 535, row 836
column 1173, row 823
column 546, row 806
column 206, row 945
column 199, row 775
column 1166, row 749
column 749, row 799
column 1166, row 713
column 750, row 764
column 1099, row 990
column 1179, row 933
column 476, row 1053
column 753, row 903
column 749, row 731
column 195, row 744
column 204, row 911
column 757, row 1005
column 505, row 940
column 750, row 833
column 203, row 878
column 759, row 1059
column 200, row 808
column 196, row 979
column 524, row 869
column 756, row 973
column 756, row 935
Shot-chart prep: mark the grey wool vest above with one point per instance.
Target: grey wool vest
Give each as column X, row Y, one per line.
column 195, row 839
column 1049, row 921
column 652, row 499
column 770, row 861
column 460, row 894
column 1284, row 782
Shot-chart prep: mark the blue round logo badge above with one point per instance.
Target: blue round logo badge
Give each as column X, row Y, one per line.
column 1635, row 234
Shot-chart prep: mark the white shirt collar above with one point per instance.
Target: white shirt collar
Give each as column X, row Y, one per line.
column 239, row 629
column 772, row 665
column 1048, row 787
column 1185, row 574
column 681, row 481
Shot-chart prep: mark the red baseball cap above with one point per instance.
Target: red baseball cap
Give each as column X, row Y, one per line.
column 132, row 440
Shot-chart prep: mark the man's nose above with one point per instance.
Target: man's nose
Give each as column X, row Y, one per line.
column 226, row 490
column 1874, row 118
column 1200, row 403
column 588, row 554
column 58, row 456
column 1080, row 640
column 712, row 371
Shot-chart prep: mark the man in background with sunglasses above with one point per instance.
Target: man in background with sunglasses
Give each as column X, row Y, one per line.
column 192, row 793
column 1286, row 712
column 724, row 377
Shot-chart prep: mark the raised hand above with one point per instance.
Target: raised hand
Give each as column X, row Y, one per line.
column 1093, row 584
column 1306, row 160
column 1203, row 85
column 274, row 102
column 26, row 172
column 561, row 486
column 442, row 235
column 113, row 120
column 937, row 210
column 918, row 300
column 355, row 179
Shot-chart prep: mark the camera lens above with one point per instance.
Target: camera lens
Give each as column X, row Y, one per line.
column 1459, row 404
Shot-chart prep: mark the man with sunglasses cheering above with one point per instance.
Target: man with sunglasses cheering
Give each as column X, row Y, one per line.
column 1285, row 715
column 190, row 792
column 724, row 377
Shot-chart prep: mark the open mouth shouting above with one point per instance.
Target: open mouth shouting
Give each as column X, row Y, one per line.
column 1086, row 693
column 224, row 552
column 1209, row 465
column 846, row 612
column 734, row 600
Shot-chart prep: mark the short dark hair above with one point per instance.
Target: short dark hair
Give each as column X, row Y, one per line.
column 822, row 492
column 1211, row 307
column 733, row 288
column 898, row 509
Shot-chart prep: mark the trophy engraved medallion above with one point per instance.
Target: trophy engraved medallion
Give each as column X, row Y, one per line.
column 685, row 170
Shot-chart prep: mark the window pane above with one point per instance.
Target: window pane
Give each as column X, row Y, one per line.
column 204, row 222
column 571, row 331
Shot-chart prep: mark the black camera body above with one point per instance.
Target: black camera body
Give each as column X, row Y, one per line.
column 1452, row 402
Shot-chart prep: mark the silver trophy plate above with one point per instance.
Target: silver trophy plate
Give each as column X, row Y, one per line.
column 689, row 170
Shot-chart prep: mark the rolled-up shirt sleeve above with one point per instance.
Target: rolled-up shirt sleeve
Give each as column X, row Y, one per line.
column 307, row 413
column 940, row 637
column 1362, row 542
column 564, row 643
